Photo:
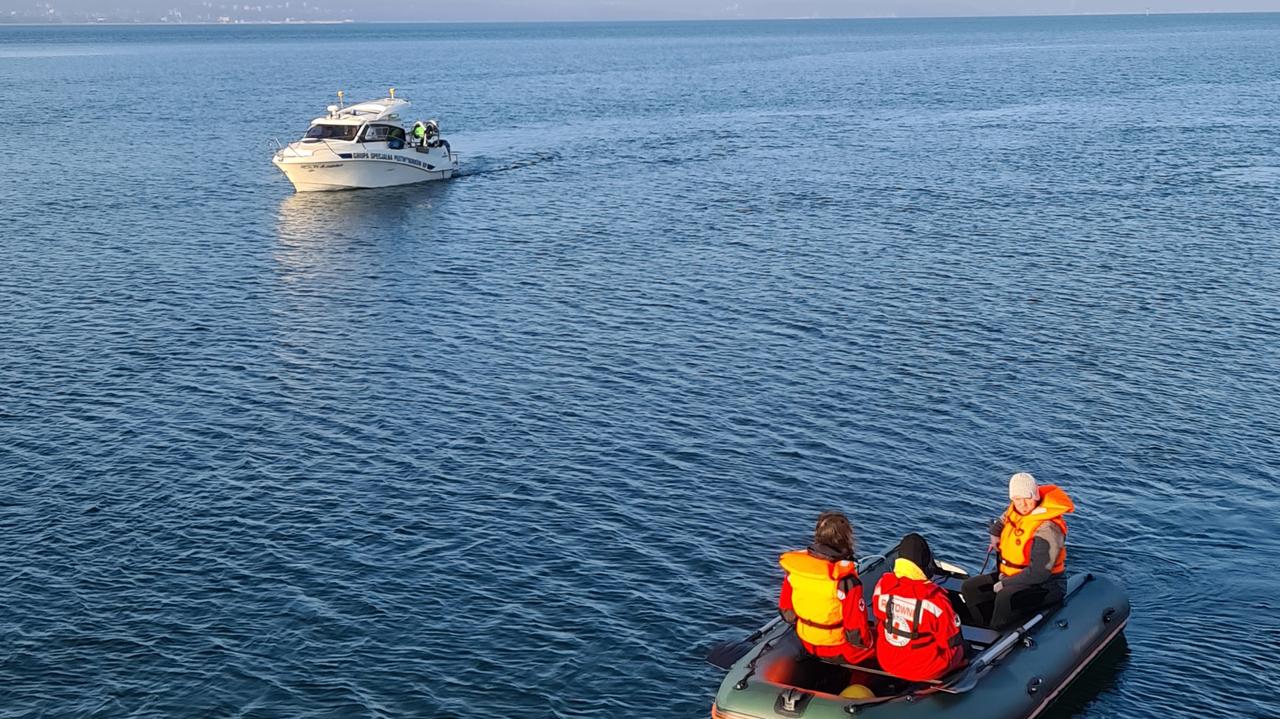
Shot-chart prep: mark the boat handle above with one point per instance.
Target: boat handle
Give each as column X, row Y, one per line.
column 1108, row 615
column 1033, row 686
column 791, row 702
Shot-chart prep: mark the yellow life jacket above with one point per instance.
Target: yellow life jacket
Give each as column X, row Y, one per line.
column 1020, row 529
column 816, row 596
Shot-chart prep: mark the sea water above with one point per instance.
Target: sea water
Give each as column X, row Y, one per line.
column 526, row 443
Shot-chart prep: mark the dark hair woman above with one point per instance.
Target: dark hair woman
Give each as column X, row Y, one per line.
column 822, row 596
column 834, row 535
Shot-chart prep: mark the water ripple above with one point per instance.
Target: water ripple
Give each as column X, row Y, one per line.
column 528, row 442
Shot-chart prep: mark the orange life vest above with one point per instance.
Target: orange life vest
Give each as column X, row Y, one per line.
column 816, row 596
column 1020, row 529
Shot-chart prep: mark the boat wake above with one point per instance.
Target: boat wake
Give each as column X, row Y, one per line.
column 485, row 167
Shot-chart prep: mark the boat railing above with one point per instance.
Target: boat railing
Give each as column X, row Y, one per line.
column 282, row 148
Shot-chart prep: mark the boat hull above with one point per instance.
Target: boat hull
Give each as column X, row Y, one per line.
column 1019, row 685
column 321, row 173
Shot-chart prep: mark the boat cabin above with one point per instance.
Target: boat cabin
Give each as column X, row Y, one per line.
column 374, row 121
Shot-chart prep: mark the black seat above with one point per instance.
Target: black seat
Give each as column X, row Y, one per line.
column 980, row 635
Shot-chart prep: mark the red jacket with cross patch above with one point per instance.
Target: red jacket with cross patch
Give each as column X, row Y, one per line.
column 919, row 631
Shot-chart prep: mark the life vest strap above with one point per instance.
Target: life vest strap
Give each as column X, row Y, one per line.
column 915, row 623
column 819, row 625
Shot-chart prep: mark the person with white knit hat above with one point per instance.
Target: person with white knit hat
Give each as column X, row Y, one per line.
column 1030, row 539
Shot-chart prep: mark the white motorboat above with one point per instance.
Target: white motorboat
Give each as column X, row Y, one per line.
column 365, row 145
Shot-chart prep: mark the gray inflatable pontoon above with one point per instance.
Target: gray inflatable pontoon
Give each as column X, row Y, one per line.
column 1010, row 675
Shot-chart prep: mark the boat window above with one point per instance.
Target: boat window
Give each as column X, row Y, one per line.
column 381, row 133
column 332, row 132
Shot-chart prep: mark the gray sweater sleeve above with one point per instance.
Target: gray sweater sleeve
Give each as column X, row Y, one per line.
column 1045, row 546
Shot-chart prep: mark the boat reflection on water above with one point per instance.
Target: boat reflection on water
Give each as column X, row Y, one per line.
column 315, row 231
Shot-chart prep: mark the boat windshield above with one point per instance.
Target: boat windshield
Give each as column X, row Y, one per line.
column 332, row 132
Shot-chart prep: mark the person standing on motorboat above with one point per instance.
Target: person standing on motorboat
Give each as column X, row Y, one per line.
column 822, row 595
column 1031, row 541
column 419, row 133
column 919, row 635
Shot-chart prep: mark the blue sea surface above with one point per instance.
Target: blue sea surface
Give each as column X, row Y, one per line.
column 526, row 443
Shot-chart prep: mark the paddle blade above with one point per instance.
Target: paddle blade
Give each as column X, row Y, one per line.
column 727, row 653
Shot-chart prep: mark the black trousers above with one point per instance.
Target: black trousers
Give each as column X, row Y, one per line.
column 1000, row 610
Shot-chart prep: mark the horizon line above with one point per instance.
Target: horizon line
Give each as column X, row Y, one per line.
column 349, row 21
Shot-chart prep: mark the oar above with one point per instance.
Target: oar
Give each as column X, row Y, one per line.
column 727, row 653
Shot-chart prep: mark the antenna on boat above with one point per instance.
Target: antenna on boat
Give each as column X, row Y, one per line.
column 393, row 93
column 339, row 99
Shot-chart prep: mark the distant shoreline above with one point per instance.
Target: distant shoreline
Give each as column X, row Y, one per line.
column 634, row 20
column 180, row 24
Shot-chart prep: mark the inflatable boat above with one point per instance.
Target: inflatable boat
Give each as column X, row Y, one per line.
column 1013, row 674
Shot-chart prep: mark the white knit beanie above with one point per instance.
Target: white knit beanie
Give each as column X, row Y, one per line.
column 1023, row 486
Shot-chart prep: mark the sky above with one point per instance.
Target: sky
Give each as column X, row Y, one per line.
column 518, row 10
